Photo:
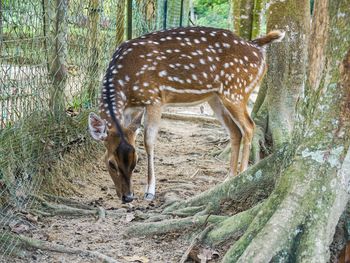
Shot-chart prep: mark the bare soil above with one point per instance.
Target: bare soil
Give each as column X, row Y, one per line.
column 184, row 165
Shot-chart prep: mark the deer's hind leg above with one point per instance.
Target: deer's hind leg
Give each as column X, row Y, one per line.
column 234, row 132
column 246, row 125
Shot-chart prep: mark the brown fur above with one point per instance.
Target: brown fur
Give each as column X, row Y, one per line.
column 272, row 36
column 177, row 66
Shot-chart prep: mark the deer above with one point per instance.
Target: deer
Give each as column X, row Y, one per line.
column 179, row 66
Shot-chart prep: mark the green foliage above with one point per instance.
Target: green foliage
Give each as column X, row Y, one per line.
column 202, row 6
column 80, row 102
column 214, row 13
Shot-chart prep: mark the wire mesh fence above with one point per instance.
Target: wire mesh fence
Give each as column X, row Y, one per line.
column 53, row 54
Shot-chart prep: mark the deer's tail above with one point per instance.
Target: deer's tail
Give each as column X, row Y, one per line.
column 272, row 36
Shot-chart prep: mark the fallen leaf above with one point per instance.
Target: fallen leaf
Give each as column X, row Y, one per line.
column 19, row 228
column 137, row 259
column 206, row 254
column 129, row 217
column 32, row 218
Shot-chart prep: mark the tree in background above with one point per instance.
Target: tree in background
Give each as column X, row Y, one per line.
column 120, row 26
column 274, row 110
column 242, row 17
column 145, row 15
column 212, row 13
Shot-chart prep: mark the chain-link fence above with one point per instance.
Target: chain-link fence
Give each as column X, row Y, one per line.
column 53, row 54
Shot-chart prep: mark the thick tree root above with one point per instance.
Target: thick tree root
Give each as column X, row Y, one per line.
column 194, row 242
column 39, row 244
column 61, row 209
column 66, row 201
column 172, row 225
column 188, row 117
column 232, row 227
column 258, row 180
column 290, row 211
column 187, row 211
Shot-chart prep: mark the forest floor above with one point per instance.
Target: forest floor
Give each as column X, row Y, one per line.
column 184, row 167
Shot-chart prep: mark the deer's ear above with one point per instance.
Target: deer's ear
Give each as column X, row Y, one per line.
column 136, row 122
column 97, row 127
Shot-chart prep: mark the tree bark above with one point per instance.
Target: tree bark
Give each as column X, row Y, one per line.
column 286, row 78
column 274, row 113
column 242, row 11
column 145, row 16
column 258, row 19
column 92, row 70
column 58, row 69
column 120, row 27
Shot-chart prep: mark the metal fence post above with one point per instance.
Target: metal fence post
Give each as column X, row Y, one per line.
column 165, row 13
column 181, row 11
column 129, row 19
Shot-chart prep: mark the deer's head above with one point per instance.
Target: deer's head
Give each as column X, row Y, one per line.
column 120, row 156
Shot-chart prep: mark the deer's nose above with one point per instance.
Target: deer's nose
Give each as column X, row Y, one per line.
column 128, row 198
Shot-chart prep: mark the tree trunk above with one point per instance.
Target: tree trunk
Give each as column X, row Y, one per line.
column 92, row 69
column 173, row 17
column 186, row 13
column 258, row 19
column 243, row 17
column 145, row 16
column 286, row 78
column 296, row 222
column 120, row 27
column 274, row 113
column 58, row 69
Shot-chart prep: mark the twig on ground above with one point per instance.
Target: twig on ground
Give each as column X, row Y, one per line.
column 194, row 174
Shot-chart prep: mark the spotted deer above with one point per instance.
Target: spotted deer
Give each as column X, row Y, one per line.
column 172, row 67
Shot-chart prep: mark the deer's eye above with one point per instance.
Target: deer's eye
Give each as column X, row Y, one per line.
column 112, row 165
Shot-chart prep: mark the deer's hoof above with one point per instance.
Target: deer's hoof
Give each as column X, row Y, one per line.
column 149, row 197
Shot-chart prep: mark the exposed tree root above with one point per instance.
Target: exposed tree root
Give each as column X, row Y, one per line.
column 188, row 117
column 101, row 214
column 187, row 211
column 258, row 143
column 225, row 153
column 232, row 227
column 194, row 242
column 66, row 201
column 172, row 225
column 254, row 182
column 27, row 242
column 61, row 209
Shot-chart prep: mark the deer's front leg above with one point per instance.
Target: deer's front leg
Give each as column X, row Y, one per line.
column 152, row 120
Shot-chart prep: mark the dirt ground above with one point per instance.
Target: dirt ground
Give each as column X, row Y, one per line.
column 184, row 165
